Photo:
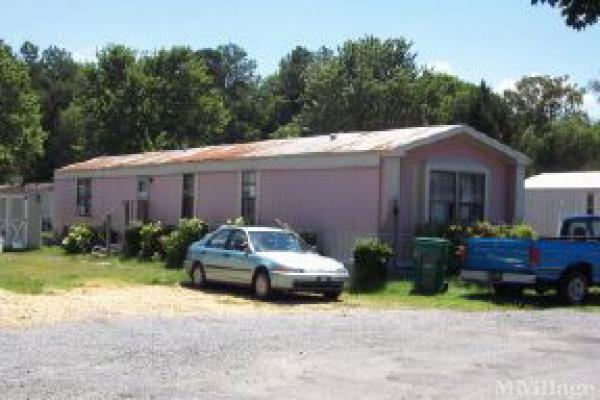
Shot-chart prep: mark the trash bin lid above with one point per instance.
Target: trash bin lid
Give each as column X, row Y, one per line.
column 432, row 241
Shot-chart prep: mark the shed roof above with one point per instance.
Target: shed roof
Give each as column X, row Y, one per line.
column 564, row 180
column 26, row 188
column 337, row 143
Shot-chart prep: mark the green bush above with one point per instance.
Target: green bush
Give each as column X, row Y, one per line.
column 177, row 242
column 238, row 221
column 79, row 239
column 132, row 244
column 371, row 257
column 150, row 244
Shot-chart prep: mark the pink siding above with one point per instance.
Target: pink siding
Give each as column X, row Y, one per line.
column 65, row 203
column 460, row 149
column 218, row 196
column 107, row 197
column 337, row 204
column 164, row 199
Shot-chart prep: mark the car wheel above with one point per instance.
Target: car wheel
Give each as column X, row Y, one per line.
column 573, row 288
column 262, row 285
column 198, row 276
column 332, row 296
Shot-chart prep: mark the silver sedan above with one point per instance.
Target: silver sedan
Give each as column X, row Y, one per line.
column 265, row 259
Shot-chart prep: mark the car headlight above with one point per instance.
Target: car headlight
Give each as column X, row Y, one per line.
column 283, row 268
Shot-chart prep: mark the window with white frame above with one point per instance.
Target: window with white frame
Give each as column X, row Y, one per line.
column 84, row 197
column 249, row 197
column 456, row 196
column 143, row 187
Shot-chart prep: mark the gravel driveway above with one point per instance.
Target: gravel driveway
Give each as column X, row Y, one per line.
column 320, row 355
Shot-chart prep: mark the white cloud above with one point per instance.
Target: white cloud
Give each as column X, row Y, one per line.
column 505, row 84
column 441, row 66
column 85, row 54
column 591, row 105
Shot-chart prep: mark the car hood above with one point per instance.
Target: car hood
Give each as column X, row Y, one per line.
column 310, row 262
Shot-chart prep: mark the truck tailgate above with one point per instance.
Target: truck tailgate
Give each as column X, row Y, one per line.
column 498, row 255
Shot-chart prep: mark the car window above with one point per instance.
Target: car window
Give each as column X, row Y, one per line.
column 237, row 241
column 277, row 241
column 219, row 239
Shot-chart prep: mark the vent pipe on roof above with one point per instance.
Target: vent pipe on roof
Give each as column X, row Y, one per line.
column 332, row 136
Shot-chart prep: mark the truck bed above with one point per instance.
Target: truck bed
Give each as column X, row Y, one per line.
column 542, row 260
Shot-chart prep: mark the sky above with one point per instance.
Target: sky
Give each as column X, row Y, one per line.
column 497, row 41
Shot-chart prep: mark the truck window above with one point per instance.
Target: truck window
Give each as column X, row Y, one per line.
column 575, row 229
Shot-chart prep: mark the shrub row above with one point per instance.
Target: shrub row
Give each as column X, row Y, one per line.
column 149, row 241
column 371, row 256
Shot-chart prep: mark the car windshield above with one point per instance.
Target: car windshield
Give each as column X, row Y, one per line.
column 277, row 241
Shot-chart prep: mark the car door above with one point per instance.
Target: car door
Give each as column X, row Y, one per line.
column 215, row 255
column 239, row 269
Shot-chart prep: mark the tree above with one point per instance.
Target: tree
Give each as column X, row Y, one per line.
column 21, row 135
column 235, row 77
column 56, row 79
column 577, row 13
column 569, row 144
column 539, row 100
column 369, row 84
column 183, row 101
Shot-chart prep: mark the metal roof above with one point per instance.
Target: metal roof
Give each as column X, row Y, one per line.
column 336, row 143
column 27, row 188
column 564, row 180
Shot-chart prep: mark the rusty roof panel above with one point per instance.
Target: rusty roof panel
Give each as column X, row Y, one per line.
column 337, row 143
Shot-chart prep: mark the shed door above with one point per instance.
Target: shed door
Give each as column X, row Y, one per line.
column 14, row 228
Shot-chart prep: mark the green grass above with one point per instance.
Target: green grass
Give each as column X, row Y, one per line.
column 460, row 296
column 49, row 269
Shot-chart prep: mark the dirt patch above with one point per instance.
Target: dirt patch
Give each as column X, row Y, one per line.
column 19, row 310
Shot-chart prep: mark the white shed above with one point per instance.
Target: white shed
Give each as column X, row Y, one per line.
column 25, row 210
column 550, row 197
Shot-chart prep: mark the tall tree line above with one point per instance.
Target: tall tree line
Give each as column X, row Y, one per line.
column 54, row 111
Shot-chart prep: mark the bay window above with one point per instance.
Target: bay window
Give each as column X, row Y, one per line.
column 456, row 196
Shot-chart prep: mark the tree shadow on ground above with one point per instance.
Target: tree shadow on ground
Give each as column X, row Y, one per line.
column 244, row 293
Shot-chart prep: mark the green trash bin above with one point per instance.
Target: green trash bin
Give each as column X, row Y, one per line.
column 431, row 257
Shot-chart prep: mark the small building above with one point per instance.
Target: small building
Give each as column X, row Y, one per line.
column 25, row 211
column 550, row 197
column 338, row 187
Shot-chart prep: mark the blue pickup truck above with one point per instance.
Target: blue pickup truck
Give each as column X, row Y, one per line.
column 569, row 263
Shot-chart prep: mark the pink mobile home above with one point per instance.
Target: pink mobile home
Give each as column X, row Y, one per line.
column 339, row 186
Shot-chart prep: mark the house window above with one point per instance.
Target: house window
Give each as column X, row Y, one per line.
column 143, row 188
column 143, row 193
column 249, row 197
column 456, row 197
column 84, row 197
column 187, row 196
column 590, row 204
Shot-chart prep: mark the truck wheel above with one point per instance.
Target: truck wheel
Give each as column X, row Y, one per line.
column 573, row 288
column 507, row 290
column 262, row 285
